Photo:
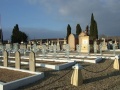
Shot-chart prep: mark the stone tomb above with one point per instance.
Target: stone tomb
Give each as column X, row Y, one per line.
column 84, row 42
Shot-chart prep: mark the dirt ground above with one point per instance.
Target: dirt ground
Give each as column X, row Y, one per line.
column 100, row 76
column 11, row 75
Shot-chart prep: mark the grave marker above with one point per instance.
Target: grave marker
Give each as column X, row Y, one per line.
column 5, row 58
column 17, row 60
column 32, row 61
column 54, row 51
column 78, row 49
column 114, row 49
column 100, row 48
column 67, row 50
column 43, row 50
column 84, row 42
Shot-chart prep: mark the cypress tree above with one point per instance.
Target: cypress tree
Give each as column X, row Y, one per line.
column 68, row 31
column 93, row 29
column 78, row 29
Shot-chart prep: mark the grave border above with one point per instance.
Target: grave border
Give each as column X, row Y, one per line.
column 21, row 82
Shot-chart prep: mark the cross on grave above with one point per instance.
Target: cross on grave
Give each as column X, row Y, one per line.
column 50, row 48
column 43, row 50
column 100, row 48
column 54, row 50
column 114, row 49
column 35, row 48
column 78, row 49
column 1, row 49
column 15, row 47
column 58, row 48
column 95, row 48
column 67, row 50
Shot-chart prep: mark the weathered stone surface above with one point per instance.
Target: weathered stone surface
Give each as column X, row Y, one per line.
column 32, row 61
column 5, row 58
column 17, row 60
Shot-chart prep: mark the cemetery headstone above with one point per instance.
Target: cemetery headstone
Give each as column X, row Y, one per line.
column 5, row 58
column 84, row 42
column 32, row 63
column 17, row 60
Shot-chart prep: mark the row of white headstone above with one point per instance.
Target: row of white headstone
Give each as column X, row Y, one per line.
column 32, row 66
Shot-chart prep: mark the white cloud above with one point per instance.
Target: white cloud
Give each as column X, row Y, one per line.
column 106, row 12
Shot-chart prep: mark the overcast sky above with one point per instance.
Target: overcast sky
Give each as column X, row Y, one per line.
column 49, row 18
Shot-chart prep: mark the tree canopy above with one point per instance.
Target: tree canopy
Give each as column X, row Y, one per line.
column 17, row 35
column 78, row 29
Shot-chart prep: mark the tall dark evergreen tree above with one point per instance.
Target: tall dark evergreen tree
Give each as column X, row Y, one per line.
column 87, row 30
column 17, row 35
column 68, row 31
column 78, row 29
column 93, row 29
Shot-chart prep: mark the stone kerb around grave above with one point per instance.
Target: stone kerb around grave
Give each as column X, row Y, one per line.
column 5, row 58
column 17, row 60
column 32, row 61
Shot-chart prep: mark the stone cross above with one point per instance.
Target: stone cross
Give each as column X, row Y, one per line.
column 54, row 51
column 114, row 49
column 58, row 42
column 32, row 61
column 100, row 48
column 95, row 47
column 78, row 49
column 17, row 60
column 5, row 58
column 43, row 50
column 52, row 43
column 67, row 50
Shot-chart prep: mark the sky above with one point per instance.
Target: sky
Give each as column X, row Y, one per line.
column 41, row 19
